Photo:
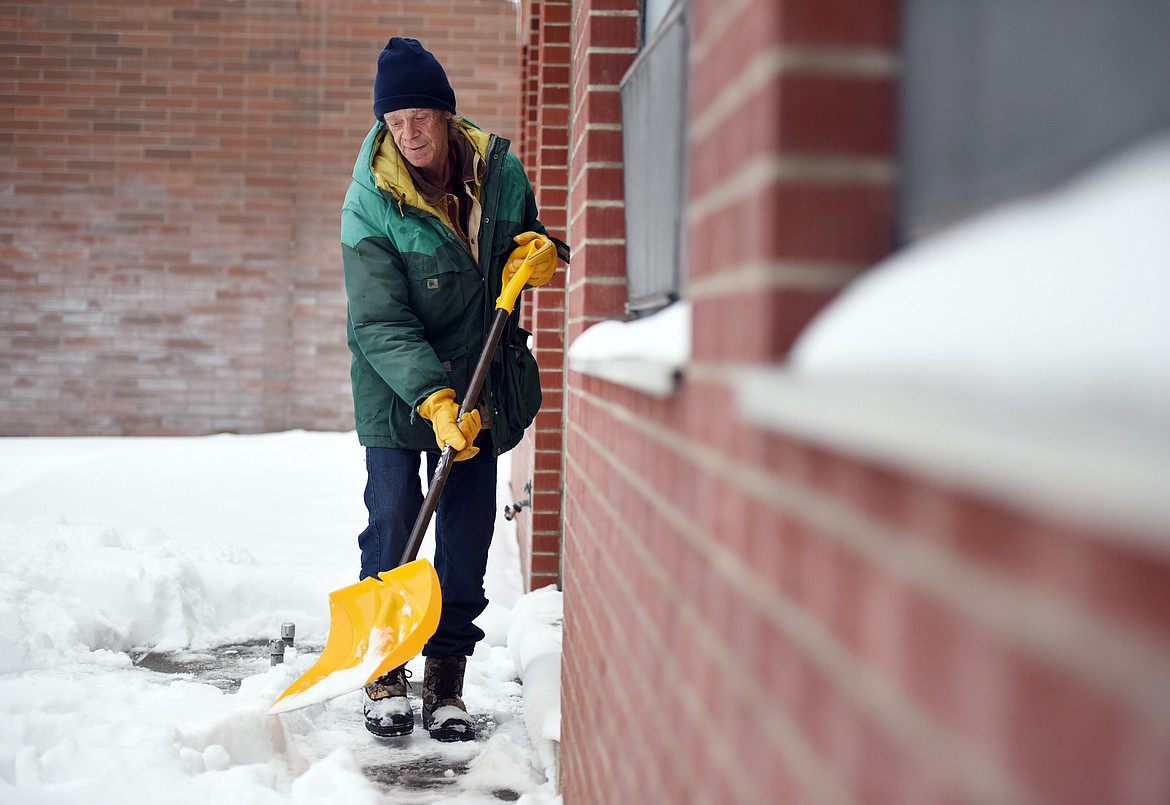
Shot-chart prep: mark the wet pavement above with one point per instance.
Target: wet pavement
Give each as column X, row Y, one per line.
column 412, row 770
column 223, row 666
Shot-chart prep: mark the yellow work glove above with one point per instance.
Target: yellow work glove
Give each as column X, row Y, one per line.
column 441, row 410
column 543, row 261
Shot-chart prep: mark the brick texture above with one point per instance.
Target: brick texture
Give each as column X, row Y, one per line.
column 544, row 116
column 597, row 590
column 752, row 618
column 605, row 42
column 172, row 177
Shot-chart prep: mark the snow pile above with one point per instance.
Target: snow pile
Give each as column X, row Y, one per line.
column 1023, row 353
column 535, row 643
column 1060, row 298
column 118, row 550
column 80, row 722
column 66, row 591
column 647, row 354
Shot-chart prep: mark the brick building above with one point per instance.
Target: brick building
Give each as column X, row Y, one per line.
column 172, row 179
column 759, row 606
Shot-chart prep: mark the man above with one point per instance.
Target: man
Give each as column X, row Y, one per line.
column 436, row 212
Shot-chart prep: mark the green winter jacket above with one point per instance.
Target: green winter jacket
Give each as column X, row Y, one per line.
column 420, row 304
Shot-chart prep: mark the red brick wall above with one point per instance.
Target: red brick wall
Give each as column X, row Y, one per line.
column 803, row 201
column 172, row 177
column 612, row 749
column 751, row 618
column 605, row 39
column 536, row 463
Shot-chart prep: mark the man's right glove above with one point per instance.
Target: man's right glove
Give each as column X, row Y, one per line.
column 543, row 261
column 441, row 410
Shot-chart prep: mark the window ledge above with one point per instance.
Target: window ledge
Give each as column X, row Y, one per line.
column 1100, row 466
column 647, row 354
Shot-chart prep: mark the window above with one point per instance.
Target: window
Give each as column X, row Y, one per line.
column 653, row 13
column 1002, row 97
column 654, row 110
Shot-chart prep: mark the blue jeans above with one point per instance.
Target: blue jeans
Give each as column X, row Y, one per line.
column 464, row 522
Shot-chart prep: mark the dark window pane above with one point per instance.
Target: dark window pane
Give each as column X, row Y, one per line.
column 1003, row 97
column 653, row 136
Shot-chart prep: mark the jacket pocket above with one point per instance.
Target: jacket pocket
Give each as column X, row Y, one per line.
column 435, row 293
column 521, row 378
column 441, row 287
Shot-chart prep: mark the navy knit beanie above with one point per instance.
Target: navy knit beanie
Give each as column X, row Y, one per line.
column 409, row 77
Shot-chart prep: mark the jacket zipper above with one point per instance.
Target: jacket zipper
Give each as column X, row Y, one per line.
column 490, row 193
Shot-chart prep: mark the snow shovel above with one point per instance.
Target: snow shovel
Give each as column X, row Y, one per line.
column 378, row 624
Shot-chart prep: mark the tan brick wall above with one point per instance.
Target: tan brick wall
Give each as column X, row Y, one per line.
column 171, row 177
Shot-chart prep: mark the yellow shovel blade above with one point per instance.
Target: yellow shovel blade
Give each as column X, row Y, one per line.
column 374, row 627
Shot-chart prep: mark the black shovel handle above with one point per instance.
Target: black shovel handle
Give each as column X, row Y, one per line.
column 443, row 469
column 504, row 305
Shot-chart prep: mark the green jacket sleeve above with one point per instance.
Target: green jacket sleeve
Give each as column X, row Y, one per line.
column 388, row 333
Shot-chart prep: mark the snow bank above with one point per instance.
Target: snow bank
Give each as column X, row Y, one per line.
column 96, row 573
column 67, row 591
column 1022, row 353
column 535, row 643
column 1060, row 298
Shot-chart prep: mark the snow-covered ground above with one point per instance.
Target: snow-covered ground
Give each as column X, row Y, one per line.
column 127, row 558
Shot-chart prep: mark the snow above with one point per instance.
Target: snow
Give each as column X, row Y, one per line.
column 647, row 354
column 535, row 643
column 124, row 553
column 1024, row 352
column 1061, row 296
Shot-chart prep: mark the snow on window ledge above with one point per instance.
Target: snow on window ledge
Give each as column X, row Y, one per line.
column 647, row 354
column 1022, row 353
column 1085, row 463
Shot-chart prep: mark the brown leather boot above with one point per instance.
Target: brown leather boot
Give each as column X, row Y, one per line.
column 386, row 709
column 443, row 713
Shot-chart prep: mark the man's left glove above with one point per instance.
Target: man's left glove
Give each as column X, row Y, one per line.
column 543, row 261
column 441, row 410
